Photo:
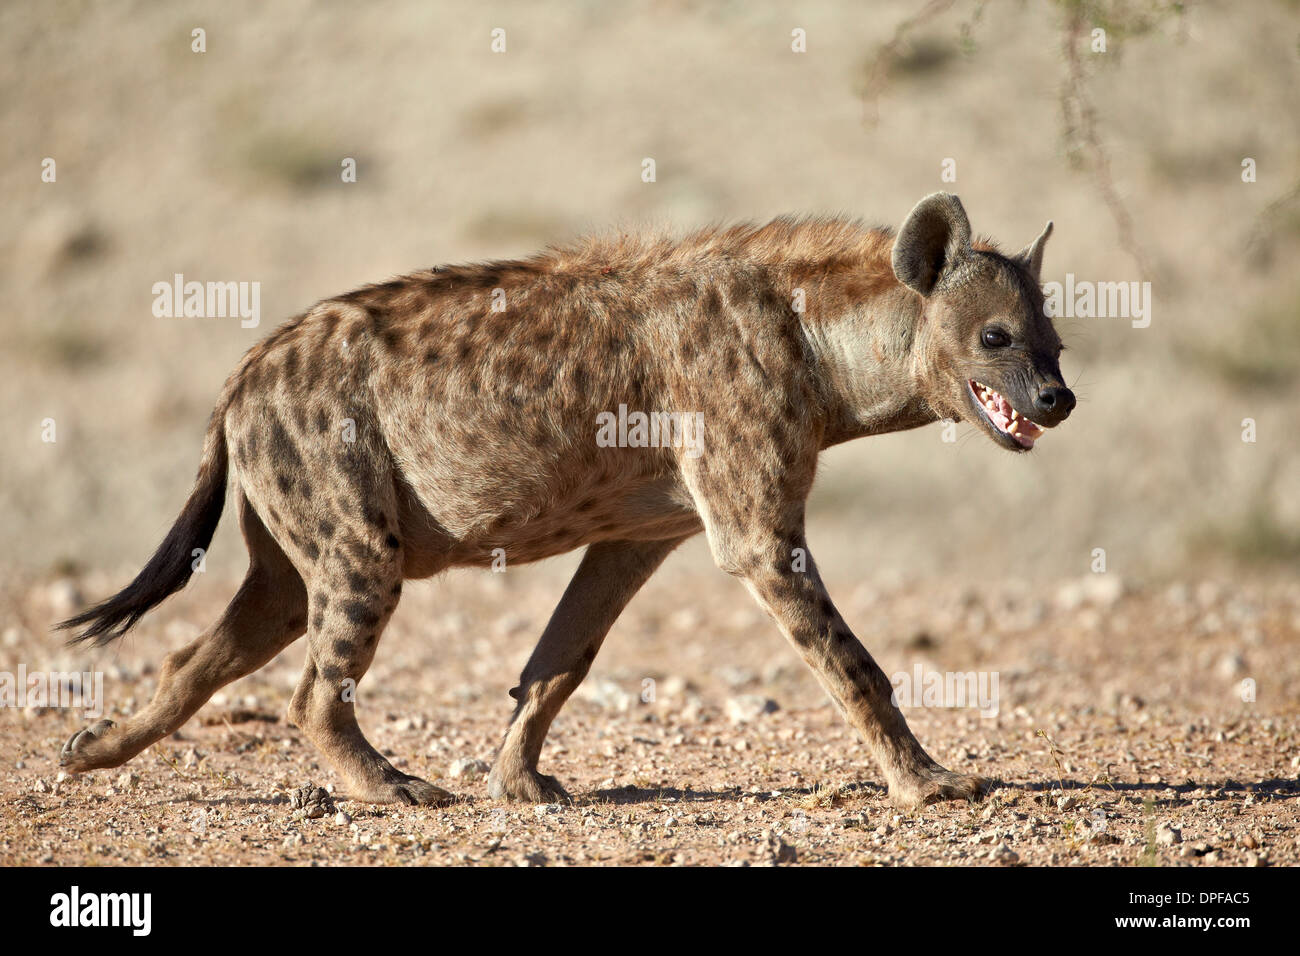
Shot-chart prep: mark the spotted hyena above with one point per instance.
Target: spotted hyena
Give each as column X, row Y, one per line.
column 451, row 415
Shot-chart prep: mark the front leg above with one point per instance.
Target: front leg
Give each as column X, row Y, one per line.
column 764, row 545
column 864, row 695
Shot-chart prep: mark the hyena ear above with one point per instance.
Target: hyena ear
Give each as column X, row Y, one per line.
column 1031, row 257
column 934, row 239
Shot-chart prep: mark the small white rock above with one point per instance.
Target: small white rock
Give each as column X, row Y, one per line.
column 1004, row 854
column 64, row 597
column 607, row 694
column 747, row 707
column 1231, row 665
column 468, row 768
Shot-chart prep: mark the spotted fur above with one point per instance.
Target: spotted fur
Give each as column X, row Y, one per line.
column 411, row 426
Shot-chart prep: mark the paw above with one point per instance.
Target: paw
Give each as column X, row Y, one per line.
column 525, row 785
column 406, row 789
column 86, row 750
column 936, row 784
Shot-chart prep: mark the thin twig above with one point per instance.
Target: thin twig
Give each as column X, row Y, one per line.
column 1081, row 122
column 1259, row 244
column 888, row 56
column 1053, row 749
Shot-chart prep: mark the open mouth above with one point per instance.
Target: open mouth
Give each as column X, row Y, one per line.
column 1006, row 421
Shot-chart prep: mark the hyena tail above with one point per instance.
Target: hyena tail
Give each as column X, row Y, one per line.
column 172, row 564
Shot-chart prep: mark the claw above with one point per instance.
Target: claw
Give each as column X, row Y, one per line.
column 94, row 732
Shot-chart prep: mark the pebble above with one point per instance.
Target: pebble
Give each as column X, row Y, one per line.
column 673, row 687
column 1004, row 854
column 747, row 707
column 607, row 694
column 63, row 597
column 685, row 619
column 734, row 676
column 1098, row 590
column 1231, row 665
column 776, row 851
column 1168, row 835
column 468, row 768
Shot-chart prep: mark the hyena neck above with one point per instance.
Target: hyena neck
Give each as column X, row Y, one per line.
column 866, row 354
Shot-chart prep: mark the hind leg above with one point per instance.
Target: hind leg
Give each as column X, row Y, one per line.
column 266, row 615
column 354, row 588
column 610, row 574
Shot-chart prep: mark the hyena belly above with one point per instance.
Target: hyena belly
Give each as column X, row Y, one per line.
column 493, row 438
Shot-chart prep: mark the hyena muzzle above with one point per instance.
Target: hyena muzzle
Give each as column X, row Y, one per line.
column 454, row 415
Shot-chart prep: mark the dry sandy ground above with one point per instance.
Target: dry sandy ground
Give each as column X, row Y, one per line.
column 1121, row 737
column 224, row 166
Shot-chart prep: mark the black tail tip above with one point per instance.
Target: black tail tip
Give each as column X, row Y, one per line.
column 103, row 623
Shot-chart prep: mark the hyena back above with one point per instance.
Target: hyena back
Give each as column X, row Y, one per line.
column 452, row 416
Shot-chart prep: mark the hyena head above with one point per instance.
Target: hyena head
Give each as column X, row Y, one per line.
column 986, row 351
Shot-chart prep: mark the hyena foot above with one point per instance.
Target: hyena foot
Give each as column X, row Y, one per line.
column 935, row 784
column 398, row 787
column 91, row 749
column 512, row 781
column 413, row 792
column 367, row 774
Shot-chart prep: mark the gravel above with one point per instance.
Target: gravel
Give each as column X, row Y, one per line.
column 1171, row 768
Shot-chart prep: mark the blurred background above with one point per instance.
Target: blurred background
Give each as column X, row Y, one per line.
column 1178, row 666
column 225, row 165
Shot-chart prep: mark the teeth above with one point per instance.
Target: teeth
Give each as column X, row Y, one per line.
column 1004, row 417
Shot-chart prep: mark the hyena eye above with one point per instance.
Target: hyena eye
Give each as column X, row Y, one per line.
column 995, row 338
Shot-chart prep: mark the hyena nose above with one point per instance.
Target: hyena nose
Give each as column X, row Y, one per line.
column 1054, row 404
